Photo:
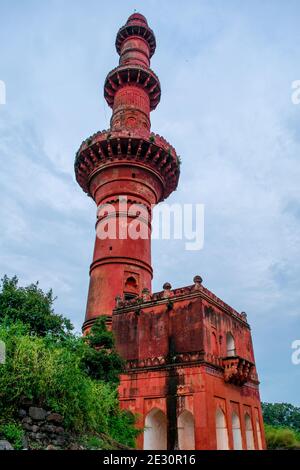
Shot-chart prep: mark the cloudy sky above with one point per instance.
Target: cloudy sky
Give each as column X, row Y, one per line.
column 226, row 75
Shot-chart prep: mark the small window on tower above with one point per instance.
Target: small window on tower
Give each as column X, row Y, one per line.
column 131, row 283
column 131, row 288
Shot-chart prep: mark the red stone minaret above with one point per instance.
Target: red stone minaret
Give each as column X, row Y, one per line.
column 190, row 373
column 124, row 166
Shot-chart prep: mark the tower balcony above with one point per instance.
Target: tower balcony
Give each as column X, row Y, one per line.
column 136, row 26
column 237, row 370
column 134, row 148
column 134, row 75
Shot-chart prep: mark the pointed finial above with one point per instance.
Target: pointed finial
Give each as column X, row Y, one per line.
column 197, row 282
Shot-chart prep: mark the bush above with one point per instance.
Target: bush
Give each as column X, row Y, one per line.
column 51, row 373
column 281, row 437
column 93, row 442
column 74, row 376
column 121, row 428
column 13, row 432
column 100, row 359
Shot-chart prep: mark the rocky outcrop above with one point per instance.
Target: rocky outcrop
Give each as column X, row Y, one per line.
column 5, row 445
column 44, row 429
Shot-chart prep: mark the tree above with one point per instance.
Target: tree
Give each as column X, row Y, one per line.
column 281, row 414
column 100, row 359
column 33, row 307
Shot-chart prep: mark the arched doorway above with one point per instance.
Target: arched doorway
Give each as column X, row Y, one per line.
column 186, row 431
column 155, row 434
column 249, row 432
column 221, row 430
column 236, row 431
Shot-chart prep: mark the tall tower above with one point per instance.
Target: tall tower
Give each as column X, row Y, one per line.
column 122, row 167
column 190, row 373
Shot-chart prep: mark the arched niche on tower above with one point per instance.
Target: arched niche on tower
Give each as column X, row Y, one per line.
column 258, row 432
column 230, row 345
column 214, row 344
column 221, row 430
column 155, row 434
column 249, row 432
column 186, row 431
column 131, row 285
column 236, row 431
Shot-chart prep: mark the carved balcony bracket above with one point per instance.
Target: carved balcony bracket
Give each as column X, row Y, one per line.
column 237, row 370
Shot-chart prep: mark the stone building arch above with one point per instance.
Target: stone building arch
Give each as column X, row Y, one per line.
column 186, row 431
column 221, row 430
column 155, row 434
column 258, row 432
column 249, row 432
column 236, row 431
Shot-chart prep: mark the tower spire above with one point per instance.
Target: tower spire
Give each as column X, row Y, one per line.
column 126, row 162
column 132, row 89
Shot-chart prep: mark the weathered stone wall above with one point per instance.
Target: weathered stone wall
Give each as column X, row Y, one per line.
column 44, row 429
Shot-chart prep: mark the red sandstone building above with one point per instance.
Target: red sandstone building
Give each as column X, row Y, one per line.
column 190, row 373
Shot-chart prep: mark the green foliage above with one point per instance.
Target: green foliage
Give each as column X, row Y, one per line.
column 74, row 376
column 51, row 374
column 99, row 336
column 33, row 307
column 100, row 360
column 93, row 442
column 281, row 437
column 281, row 414
column 121, row 429
column 13, row 433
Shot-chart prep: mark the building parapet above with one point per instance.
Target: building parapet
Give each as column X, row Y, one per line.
column 169, row 295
